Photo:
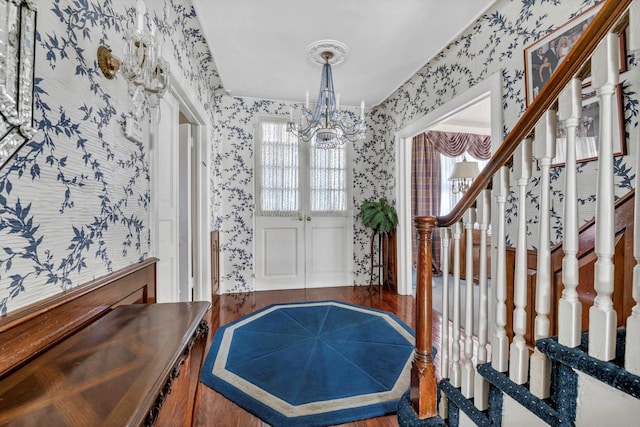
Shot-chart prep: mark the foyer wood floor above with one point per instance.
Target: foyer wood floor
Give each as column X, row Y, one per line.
column 213, row 409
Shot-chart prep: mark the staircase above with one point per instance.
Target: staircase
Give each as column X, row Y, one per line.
column 515, row 372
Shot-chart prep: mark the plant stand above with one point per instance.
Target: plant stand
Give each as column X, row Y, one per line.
column 381, row 265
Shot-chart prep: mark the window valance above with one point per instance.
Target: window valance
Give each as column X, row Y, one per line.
column 453, row 144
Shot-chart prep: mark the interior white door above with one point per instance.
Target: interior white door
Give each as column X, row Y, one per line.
column 328, row 251
column 280, row 259
column 185, row 255
column 166, row 153
column 300, row 252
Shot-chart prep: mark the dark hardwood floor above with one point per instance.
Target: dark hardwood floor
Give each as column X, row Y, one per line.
column 213, row 409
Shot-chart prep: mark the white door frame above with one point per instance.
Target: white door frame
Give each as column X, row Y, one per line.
column 491, row 87
column 202, row 257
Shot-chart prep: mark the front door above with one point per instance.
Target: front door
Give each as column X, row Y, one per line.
column 303, row 228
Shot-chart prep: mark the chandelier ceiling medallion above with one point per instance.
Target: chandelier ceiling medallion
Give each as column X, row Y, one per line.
column 325, row 125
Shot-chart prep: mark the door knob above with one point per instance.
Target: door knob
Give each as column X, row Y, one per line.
column 308, row 218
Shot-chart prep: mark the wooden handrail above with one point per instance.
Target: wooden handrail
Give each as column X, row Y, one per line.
column 423, row 394
column 607, row 17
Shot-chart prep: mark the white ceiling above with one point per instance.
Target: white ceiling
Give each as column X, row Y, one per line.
column 474, row 119
column 259, row 46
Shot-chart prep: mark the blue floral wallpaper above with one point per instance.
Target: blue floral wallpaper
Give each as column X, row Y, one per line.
column 237, row 120
column 74, row 202
column 495, row 44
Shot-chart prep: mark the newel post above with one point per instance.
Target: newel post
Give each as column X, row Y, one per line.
column 423, row 373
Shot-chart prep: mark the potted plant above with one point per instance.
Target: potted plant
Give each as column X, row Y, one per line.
column 383, row 219
column 379, row 215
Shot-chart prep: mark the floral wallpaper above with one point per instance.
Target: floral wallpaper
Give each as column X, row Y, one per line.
column 495, row 44
column 74, row 201
column 234, row 167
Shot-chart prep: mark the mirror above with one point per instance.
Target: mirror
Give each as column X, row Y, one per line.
column 17, row 53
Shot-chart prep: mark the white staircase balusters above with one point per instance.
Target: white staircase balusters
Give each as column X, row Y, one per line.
column 602, row 316
column 444, row 348
column 519, row 352
column 481, row 391
column 544, row 151
column 468, row 370
column 455, row 344
column 569, row 307
column 632, row 353
column 632, row 346
column 500, row 341
column 444, row 268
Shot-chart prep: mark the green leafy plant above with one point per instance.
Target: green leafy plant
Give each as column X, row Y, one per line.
column 379, row 215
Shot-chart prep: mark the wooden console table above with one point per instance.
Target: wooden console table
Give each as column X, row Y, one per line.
column 137, row 365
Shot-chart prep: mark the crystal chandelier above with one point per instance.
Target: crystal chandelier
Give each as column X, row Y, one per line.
column 326, row 126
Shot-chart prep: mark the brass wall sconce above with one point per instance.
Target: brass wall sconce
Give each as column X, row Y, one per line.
column 142, row 65
column 108, row 62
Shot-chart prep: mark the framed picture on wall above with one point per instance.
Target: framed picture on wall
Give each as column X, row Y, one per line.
column 587, row 138
column 542, row 58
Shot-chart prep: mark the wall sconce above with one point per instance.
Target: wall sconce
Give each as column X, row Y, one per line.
column 463, row 174
column 142, row 65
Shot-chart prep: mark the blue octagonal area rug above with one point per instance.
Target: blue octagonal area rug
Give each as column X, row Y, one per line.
column 313, row 363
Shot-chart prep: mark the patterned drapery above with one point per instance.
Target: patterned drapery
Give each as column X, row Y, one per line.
column 425, row 185
column 426, row 176
column 453, row 144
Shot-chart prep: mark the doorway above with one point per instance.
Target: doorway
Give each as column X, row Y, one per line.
column 303, row 225
column 490, row 88
column 179, row 200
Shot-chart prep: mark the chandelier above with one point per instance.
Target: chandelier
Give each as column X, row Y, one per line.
column 142, row 65
column 326, row 126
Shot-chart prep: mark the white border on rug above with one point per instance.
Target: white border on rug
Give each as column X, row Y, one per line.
column 314, row 408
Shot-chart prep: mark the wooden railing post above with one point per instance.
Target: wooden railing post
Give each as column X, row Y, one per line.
column 519, row 352
column 468, row 370
column 423, row 374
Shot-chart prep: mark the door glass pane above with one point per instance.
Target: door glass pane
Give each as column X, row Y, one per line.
column 328, row 181
column 277, row 170
column 278, row 175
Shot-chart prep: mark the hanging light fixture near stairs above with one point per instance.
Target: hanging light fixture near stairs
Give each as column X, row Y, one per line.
column 326, row 126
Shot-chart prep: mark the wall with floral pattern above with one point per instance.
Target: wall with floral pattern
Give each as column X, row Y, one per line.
column 495, row 44
column 74, row 202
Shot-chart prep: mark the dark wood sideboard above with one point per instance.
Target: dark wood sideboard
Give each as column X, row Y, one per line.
column 103, row 354
column 118, row 371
